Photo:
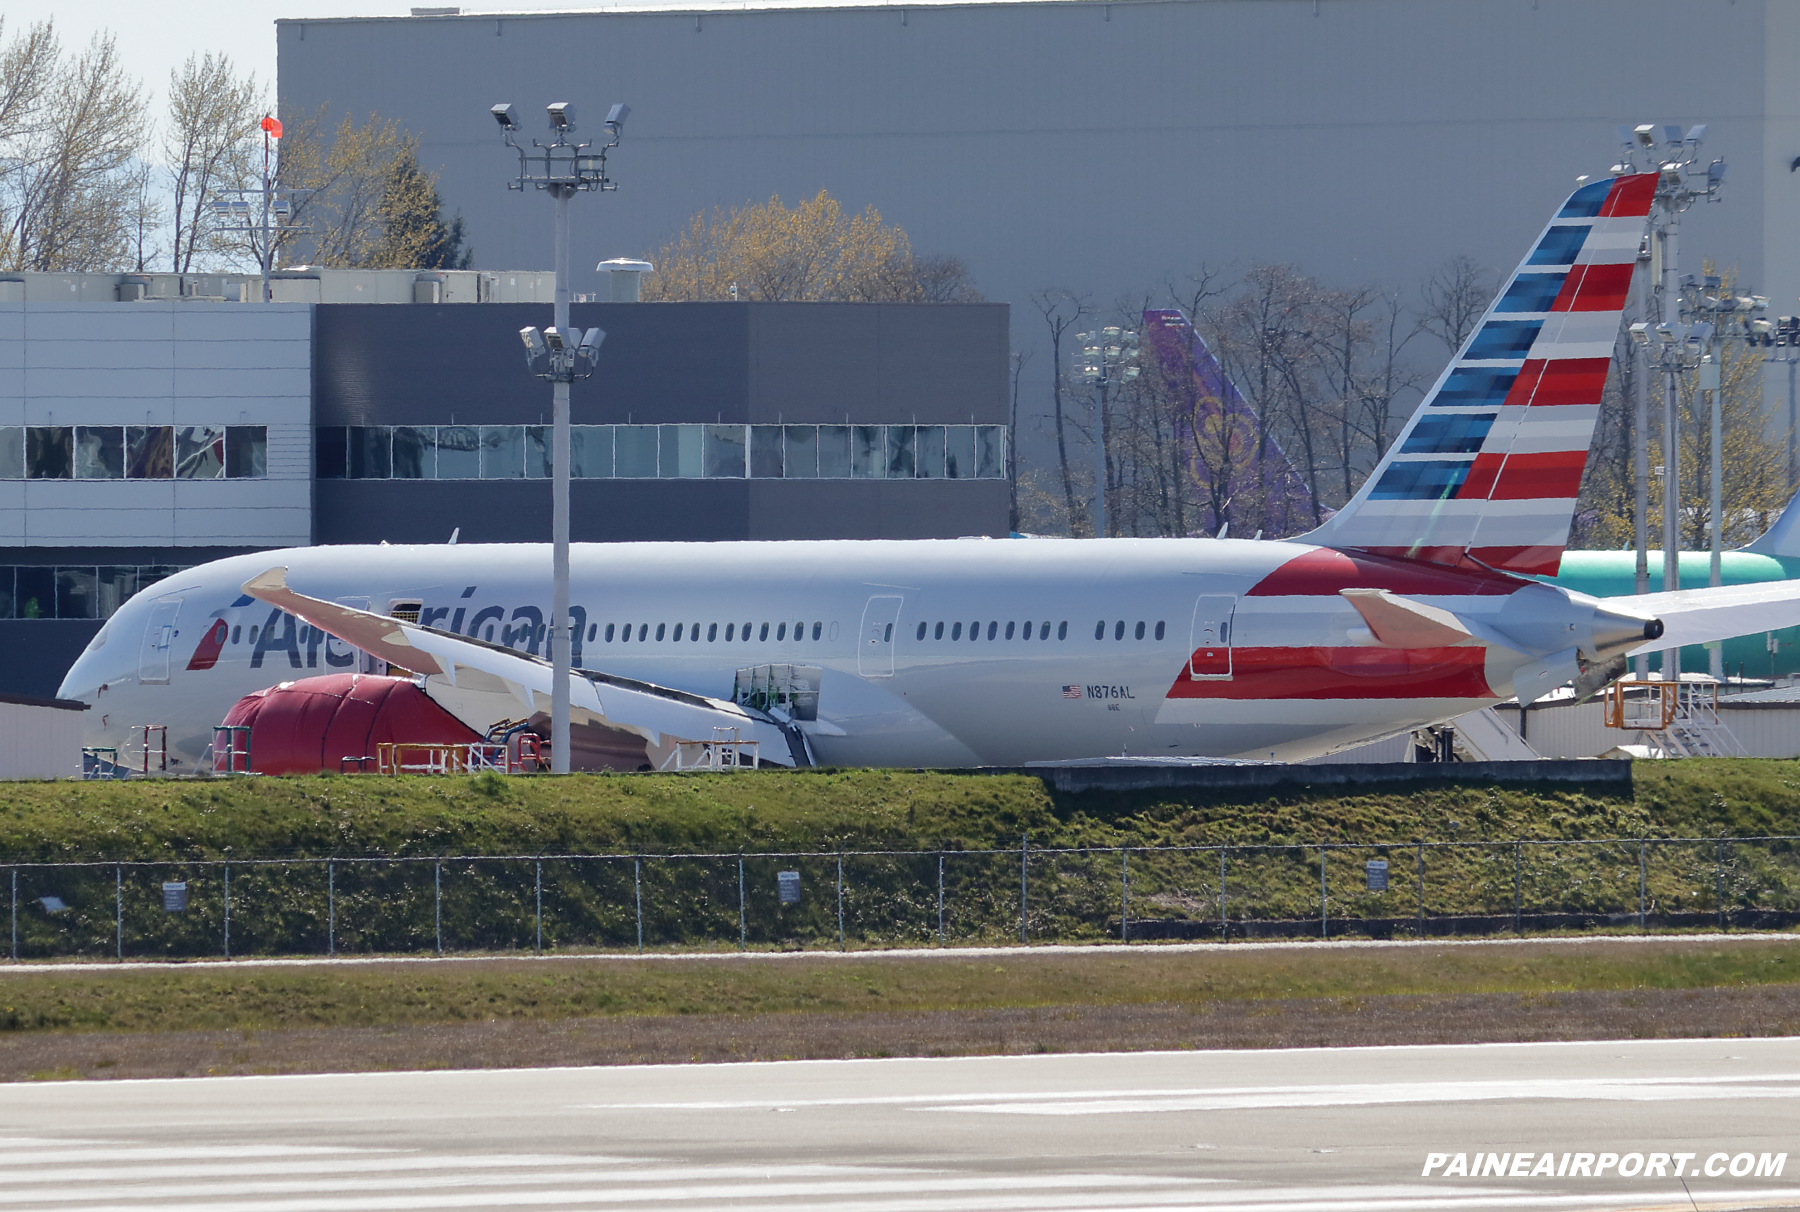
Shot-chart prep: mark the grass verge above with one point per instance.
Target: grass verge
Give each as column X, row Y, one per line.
column 522, row 1012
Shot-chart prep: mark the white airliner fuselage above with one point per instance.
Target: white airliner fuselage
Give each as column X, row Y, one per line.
column 933, row 653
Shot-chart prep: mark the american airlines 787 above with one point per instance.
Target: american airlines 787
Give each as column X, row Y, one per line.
column 1410, row 606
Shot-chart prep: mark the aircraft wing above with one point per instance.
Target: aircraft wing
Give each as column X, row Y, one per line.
column 482, row 683
column 1700, row 616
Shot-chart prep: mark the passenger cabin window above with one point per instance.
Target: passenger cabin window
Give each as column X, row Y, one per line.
column 993, row 627
column 1119, row 630
column 746, row 632
column 817, row 627
column 712, row 632
column 1100, row 630
column 939, row 634
column 762, row 636
column 678, row 632
column 780, row 632
column 1009, row 630
column 1062, row 629
column 592, row 628
column 729, row 629
column 694, row 634
column 1140, row 629
column 956, row 631
column 1159, row 630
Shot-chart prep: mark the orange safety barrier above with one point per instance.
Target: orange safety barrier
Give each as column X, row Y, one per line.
column 1652, row 710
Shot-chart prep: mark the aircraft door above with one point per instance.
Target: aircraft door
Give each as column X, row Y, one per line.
column 159, row 638
column 1210, row 642
column 875, row 645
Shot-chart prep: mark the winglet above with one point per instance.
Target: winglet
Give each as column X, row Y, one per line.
column 275, row 579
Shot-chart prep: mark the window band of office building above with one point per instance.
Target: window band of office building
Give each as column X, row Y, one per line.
column 649, row 452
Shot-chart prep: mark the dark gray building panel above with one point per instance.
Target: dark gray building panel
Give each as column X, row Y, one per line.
column 666, row 364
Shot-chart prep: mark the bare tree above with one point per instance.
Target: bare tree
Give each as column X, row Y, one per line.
column 69, row 190
column 1019, row 358
column 1266, row 340
column 210, row 143
column 1456, row 295
column 1062, row 310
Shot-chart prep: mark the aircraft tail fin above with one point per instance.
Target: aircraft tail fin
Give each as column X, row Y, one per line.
column 1782, row 538
column 1488, row 468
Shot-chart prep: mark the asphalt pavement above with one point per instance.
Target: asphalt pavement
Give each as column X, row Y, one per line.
column 1555, row 1126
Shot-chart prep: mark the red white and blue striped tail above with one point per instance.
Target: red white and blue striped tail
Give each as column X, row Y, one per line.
column 1488, row 469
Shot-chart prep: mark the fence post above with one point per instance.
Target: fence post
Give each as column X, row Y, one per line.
column 1641, row 882
column 1518, row 896
column 1421, row 874
column 1718, row 880
column 227, row 910
column 1324, row 932
column 743, row 934
column 1125, row 895
column 637, row 887
column 437, row 902
column 15, row 915
column 840, row 900
column 940, row 897
column 1024, row 884
column 330, row 907
column 119, row 910
column 537, row 891
column 1223, row 937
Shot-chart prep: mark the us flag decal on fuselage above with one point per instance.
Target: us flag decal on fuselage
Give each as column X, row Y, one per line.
column 1071, row 692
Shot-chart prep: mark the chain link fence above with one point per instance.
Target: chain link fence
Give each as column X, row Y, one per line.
column 884, row 899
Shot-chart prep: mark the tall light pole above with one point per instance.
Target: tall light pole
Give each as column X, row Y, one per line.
column 1107, row 358
column 1682, row 180
column 564, row 167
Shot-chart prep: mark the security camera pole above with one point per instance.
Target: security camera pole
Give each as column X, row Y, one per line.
column 561, row 354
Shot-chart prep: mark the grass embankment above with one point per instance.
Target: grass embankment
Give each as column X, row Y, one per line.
column 294, row 905
column 830, row 809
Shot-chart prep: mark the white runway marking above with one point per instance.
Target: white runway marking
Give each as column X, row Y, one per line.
column 1105, row 1102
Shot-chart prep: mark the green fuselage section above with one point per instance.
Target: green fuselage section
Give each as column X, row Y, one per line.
column 1612, row 574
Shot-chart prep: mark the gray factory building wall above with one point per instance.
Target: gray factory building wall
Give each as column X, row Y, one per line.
column 665, row 364
column 1107, row 147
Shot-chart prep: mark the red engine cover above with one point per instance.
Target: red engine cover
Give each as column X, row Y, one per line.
column 311, row 725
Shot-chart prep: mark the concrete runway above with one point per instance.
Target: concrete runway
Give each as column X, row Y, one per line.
column 1346, row 1129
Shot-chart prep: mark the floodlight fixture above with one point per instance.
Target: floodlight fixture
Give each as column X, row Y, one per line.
column 615, row 119
column 1667, row 333
column 1645, row 135
column 1671, row 133
column 1619, row 170
column 556, row 338
column 1696, row 133
column 562, row 115
column 590, row 342
column 535, row 346
column 506, row 116
column 1715, row 174
column 1640, row 333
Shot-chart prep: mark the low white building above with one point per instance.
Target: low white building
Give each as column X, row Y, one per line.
column 40, row 738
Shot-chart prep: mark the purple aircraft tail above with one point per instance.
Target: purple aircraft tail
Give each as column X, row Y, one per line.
column 1237, row 470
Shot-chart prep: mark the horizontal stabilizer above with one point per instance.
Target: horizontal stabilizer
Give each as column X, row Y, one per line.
column 1701, row 616
column 1399, row 622
column 481, row 682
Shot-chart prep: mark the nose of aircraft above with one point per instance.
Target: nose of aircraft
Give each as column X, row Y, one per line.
column 101, row 663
